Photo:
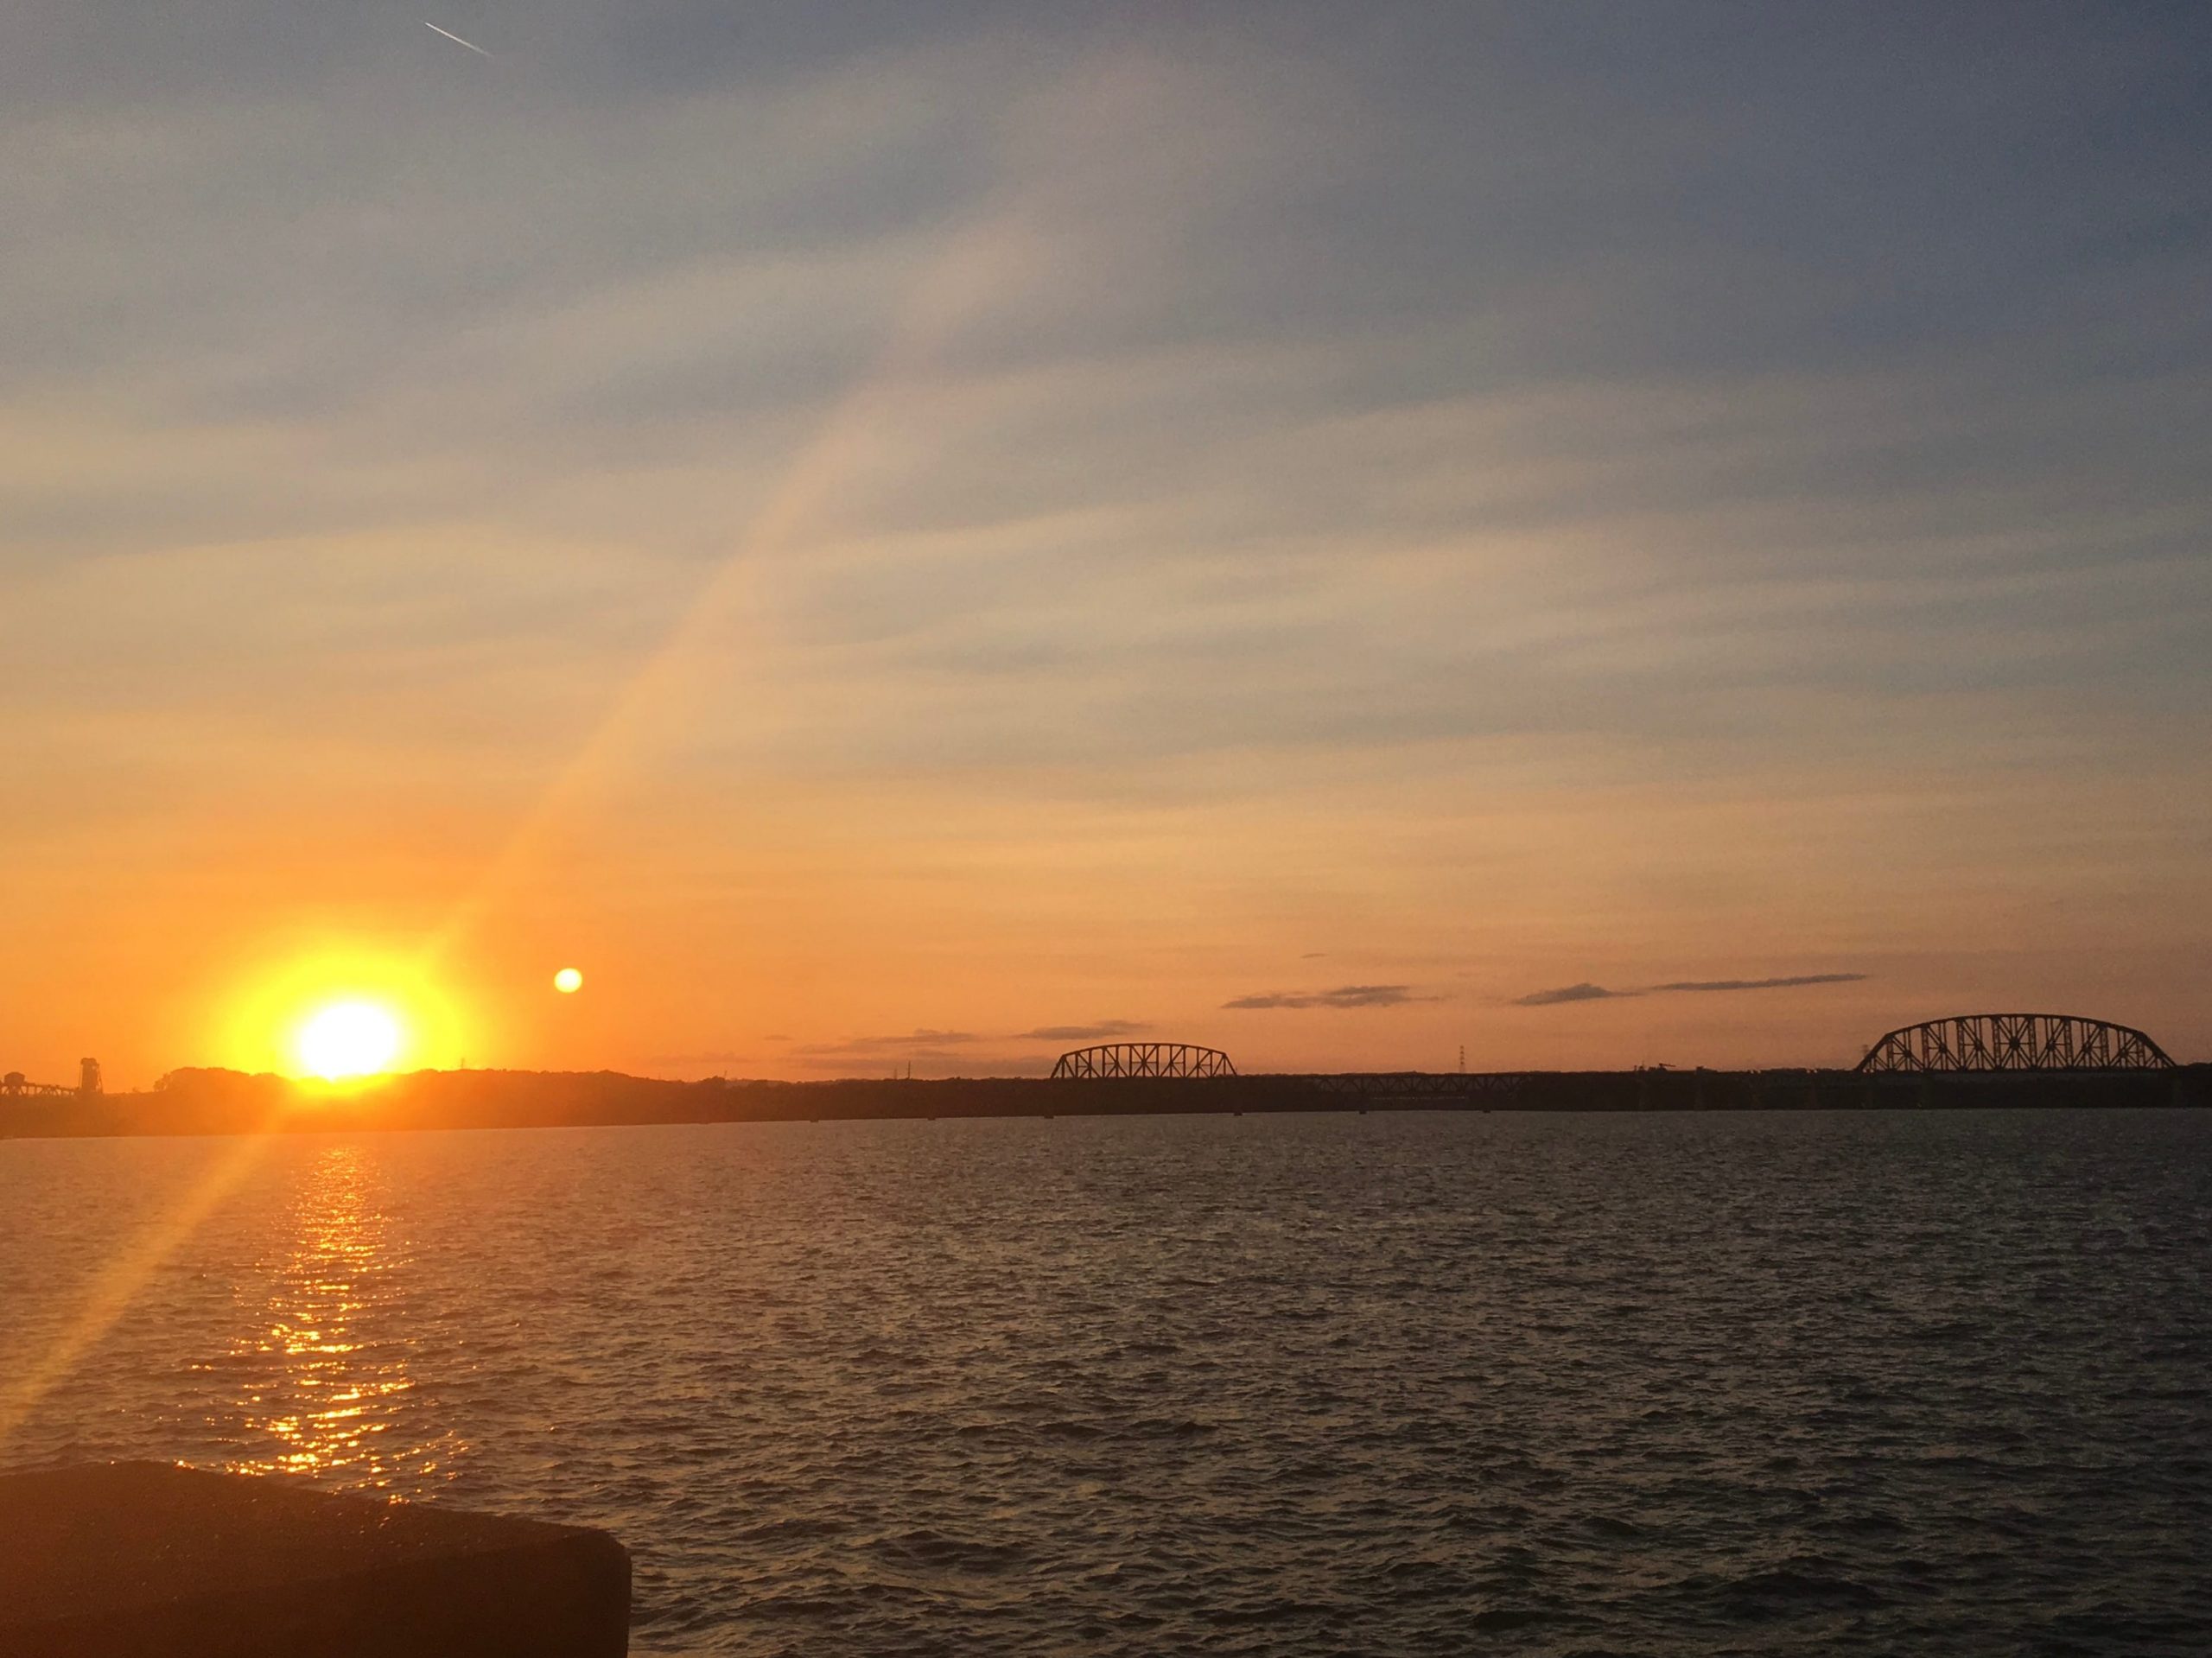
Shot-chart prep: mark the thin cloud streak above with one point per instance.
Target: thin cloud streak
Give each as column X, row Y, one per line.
column 1349, row 995
column 1789, row 983
column 1588, row 992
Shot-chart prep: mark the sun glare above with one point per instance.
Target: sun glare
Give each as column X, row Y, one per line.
column 349, row 1038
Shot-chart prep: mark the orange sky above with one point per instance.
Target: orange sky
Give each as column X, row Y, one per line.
column 1075, row 532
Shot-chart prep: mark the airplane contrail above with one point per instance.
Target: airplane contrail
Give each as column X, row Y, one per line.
column 456, row 39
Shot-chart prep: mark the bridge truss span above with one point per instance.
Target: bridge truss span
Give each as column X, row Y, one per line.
column 1144, row 1059
column 1993, row 1043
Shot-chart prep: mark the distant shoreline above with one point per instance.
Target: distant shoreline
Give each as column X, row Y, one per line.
column 229, row 1103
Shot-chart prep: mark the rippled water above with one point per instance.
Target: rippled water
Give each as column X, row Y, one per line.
column 1389, row 1384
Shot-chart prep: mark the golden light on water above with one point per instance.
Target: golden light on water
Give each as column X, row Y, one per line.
column 351, row 1039
column 327, row 1375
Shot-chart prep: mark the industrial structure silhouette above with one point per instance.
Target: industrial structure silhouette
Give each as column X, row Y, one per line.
column 14, row 1085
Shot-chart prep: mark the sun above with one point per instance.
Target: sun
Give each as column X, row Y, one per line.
column 346, row 1039
column 341, row 1014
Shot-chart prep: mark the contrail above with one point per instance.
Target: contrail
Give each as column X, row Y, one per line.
column 456, row 39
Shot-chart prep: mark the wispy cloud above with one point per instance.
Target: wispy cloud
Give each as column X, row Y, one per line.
column 1105, row 1027
column 1348, row 995
column 1588, row 992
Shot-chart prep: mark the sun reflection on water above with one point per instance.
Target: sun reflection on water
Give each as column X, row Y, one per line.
column 326, row 1376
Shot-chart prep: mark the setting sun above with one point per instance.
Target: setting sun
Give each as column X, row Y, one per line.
column 337, row 1011
column 349, row 1038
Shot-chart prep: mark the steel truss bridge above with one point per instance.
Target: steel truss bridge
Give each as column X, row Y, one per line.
column 1144, row 1059
column 2014, row 1043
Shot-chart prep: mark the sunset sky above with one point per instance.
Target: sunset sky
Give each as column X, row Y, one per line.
column 918, row 533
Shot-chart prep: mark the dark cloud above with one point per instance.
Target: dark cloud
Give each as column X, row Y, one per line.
column 1762, row 984
column 1105, row 1027
column 1348, row 995
column 1584, row 992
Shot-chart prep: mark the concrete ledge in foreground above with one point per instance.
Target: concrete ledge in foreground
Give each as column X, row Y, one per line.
column 136, row 1559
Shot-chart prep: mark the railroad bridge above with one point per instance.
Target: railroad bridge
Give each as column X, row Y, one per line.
column 2014, row 1044
column 1144, row 1059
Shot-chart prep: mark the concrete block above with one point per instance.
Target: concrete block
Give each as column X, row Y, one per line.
column 141, row 1560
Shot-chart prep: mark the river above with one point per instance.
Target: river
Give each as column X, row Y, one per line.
column 1398, row 1383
